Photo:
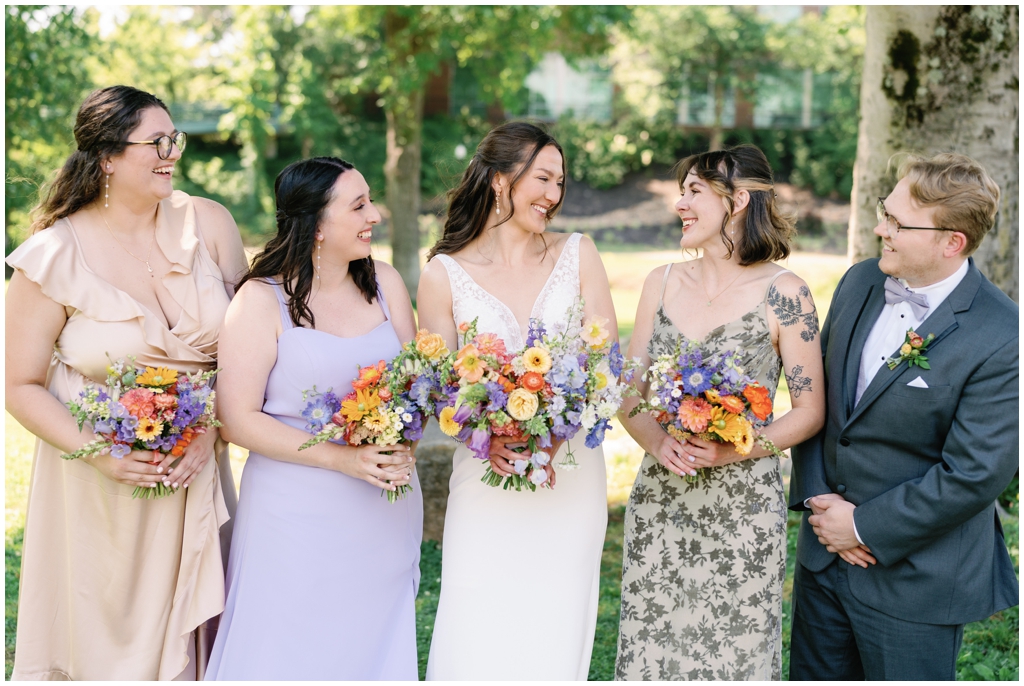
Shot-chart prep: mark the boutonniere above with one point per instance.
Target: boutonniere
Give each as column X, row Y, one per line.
column 912, row 351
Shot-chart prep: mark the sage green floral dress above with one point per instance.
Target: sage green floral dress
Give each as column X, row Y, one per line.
column 703, row 563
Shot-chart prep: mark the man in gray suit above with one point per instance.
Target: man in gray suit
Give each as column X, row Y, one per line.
column 900, row 543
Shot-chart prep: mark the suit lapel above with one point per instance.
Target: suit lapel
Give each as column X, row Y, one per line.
column 942, row 321
column 866, row 318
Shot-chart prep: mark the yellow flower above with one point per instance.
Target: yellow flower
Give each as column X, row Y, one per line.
column 744, row 446
column 449, row 426
column 161, row 376
column 148, row 429
column 375, row 422
column 602, row 380
column 468, row 365
column 430, row 344
column 522, row 404
column 364, row 403
column 537, row 359
column 594, row 331
column 729, row 427
column 906, row 348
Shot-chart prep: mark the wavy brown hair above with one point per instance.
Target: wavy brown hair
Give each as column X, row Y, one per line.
column 102, row 126
column 504, row 149
column 303, row 190
column 767, row 231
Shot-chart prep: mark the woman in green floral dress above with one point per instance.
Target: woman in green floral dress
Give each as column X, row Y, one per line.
column 704, row 562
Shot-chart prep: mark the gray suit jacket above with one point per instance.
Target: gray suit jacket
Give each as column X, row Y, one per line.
column 923, row 465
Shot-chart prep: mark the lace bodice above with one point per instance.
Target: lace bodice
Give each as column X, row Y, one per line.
column 560, row 291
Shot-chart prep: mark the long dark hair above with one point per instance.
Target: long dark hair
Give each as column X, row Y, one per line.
column 471, row 202
column 102, row 126
column 767, row 231
column 303, row 190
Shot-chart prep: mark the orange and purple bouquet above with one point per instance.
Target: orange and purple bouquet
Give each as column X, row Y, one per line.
column 707, row 396
column 145, row 409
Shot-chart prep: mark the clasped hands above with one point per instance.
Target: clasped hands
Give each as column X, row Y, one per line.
column 686, row 457
column 503, row 457
column 832, row 522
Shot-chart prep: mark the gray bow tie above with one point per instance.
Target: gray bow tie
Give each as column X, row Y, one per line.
column 895, row 292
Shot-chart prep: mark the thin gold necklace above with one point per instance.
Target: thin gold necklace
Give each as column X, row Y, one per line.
column 705, row 288
column 149, row 254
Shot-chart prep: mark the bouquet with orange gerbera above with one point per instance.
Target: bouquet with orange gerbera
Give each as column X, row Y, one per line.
column 388, row 403
column 144, row 409
column 708, row 396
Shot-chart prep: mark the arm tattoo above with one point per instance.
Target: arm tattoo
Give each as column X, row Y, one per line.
column 798, row 384
column 790, row 311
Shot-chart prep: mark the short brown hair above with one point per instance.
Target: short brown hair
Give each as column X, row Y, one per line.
column 964, row 196
column 767, row 231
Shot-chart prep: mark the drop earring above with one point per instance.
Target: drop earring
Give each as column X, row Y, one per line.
column 318, row 244
column 106, row 193
column 497, row 203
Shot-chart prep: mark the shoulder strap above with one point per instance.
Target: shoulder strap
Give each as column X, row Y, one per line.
column 381, row 300
column 772, row 283
column 664, row 284
column 286, row 317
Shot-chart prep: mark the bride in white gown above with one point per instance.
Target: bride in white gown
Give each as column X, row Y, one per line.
column 520, row 570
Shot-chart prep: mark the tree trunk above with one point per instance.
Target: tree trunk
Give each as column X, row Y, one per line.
column 717, row 134
column 939, row 79
column 404, row 114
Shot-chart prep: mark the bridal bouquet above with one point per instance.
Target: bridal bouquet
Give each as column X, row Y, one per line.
column 388, row 402
column 562, row 382
column 707, row 396
column 144, row 409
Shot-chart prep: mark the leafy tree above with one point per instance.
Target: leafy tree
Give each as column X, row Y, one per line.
column 45, row 80
column 391, row 51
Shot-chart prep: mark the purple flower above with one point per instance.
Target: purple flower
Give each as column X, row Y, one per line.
column 540, row 459
column 117, row 410
column 464, row 435
column 544, row 441
column 119, row 450
column 538, row 477
column 497, row 397
column 103, row 426
column 596, row 435
column 420, row 390
column 536, row 333
column 318, row 412
column 480, row 443
column 414, row 429
column 520, row 466
column 462, row 414
column 615, row 359
column 696, row 380
column 102, row 396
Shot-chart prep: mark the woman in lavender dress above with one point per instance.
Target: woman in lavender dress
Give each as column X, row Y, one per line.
column 323, row 570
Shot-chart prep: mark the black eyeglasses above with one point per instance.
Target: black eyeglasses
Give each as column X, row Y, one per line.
column 893, row 226
column 163, row 144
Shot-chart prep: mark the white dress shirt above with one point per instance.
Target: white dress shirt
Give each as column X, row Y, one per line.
column 890, row 331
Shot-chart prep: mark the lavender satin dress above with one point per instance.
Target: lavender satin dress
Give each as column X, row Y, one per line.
column 323, row 571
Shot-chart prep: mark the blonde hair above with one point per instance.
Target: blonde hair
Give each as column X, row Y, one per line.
column 964, row 196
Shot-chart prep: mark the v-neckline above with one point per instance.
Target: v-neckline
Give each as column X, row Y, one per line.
column 533, row 310
column 162, row 318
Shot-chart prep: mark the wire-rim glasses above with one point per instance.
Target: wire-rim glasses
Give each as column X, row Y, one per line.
column 893, row 226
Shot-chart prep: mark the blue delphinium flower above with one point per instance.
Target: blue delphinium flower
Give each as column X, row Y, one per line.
column 615, row 359
column 317, row 413
column 696, row 380
column 536, row 333
column 496, row 395
column 420, row 390
column 119, row 450
column 413, row 430
column 596, row 435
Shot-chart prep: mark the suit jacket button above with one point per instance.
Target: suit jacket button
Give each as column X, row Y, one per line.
column 841, row 488
column 844, row 441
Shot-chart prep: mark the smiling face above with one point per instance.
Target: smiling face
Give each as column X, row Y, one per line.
column 138, row 174
column 917, row 256
column 702, row 212
column 536, row 192
column 346, row 225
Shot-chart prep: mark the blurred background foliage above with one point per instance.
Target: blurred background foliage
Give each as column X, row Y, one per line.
column 258, row 87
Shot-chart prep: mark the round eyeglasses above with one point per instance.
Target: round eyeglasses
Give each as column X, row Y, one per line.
column 894, row 227
column 163, row 144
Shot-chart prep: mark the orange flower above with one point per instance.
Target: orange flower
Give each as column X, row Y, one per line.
column 532, row 381
column 730, row 428
column 732, row 403
column 469, row 365
column 506, row 385
column 760, row 400
column 915, row 340
column 140, row 403
column 694, row 414
column 430, row 344
column 368, row 376
column 363, row 404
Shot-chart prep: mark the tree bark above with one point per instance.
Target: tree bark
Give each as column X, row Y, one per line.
column 939, row 79
column 404, row 114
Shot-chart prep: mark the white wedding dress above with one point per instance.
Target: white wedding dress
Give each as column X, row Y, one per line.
column 520, row 570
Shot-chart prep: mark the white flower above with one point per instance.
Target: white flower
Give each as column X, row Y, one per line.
column 588, row 418
column 520, row 466
column 538, row 477
column 517, row 366
column 406, row 417
column 676, row 393
column 540, row 459
column 655, row 401
column 607, row 409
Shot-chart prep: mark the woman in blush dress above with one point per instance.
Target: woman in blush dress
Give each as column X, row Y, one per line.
column 703, row 563
column 520, row 570
column 323, row 570
column 118, row 264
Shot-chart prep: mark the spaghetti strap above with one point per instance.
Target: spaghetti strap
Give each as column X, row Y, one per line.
column 286, row 317
column 382, row 301
column 664, row 283
column 772, row 283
